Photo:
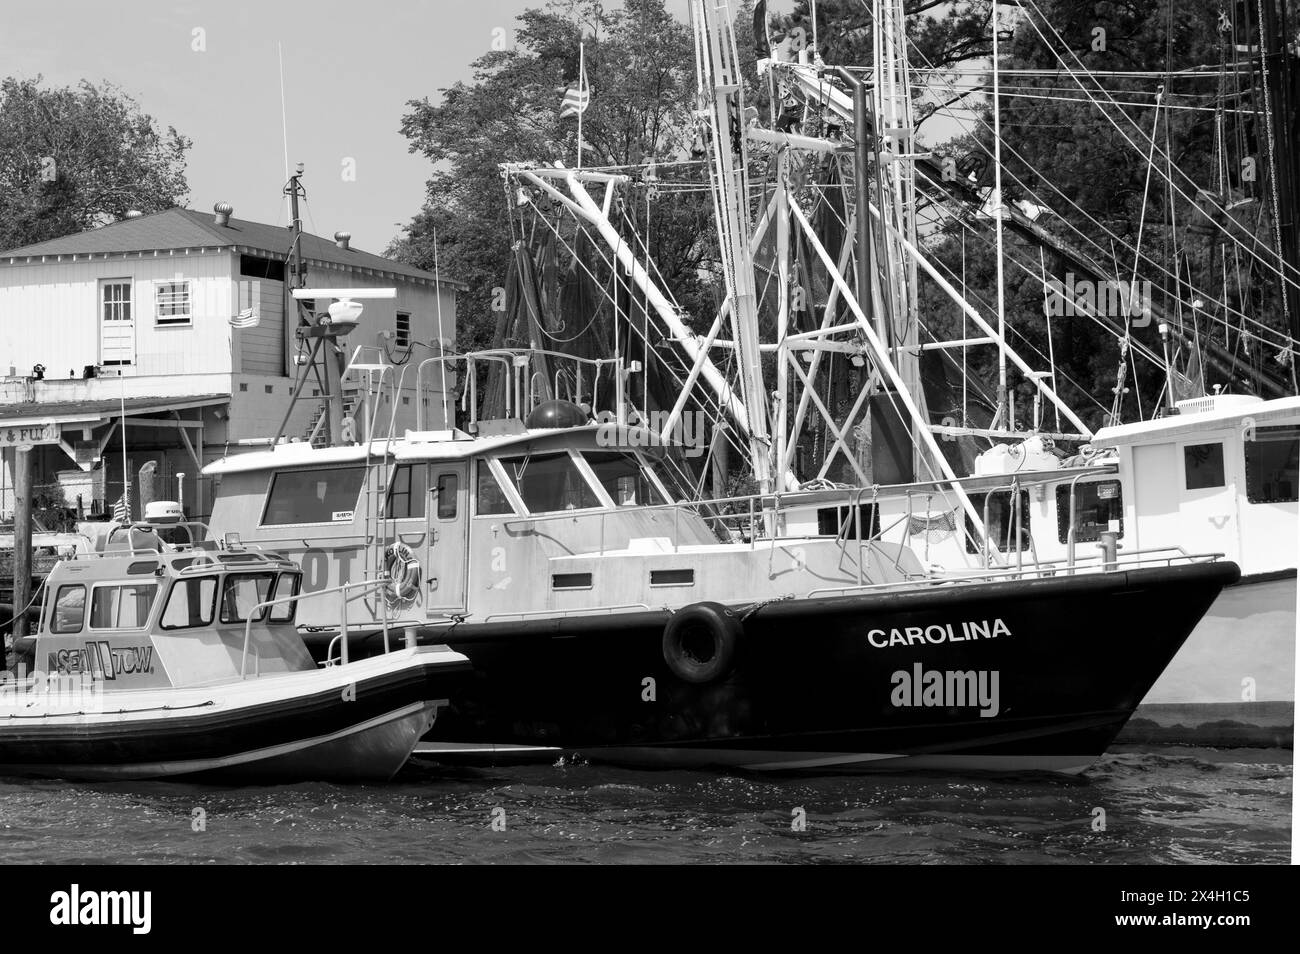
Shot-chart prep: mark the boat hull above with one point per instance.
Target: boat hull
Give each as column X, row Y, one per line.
column 840, row 683
column 1233, row 682
column 353, row 723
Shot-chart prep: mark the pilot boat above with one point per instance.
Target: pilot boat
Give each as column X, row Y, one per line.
column 608, row 615
column 158, row 661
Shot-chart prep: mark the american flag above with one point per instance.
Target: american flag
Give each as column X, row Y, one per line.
column 577, row 97
column 122, row 510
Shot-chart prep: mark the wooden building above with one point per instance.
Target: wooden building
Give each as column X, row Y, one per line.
column 133, row 321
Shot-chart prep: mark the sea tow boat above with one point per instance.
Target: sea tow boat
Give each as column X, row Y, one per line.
column 156, row 661
column 604, row 618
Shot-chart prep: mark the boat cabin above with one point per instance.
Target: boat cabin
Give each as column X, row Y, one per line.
column 141, row 617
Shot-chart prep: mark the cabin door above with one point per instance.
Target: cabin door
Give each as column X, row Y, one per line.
column 116, row 322
column 447, row 544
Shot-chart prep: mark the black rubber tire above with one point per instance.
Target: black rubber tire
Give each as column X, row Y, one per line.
column 691, row 629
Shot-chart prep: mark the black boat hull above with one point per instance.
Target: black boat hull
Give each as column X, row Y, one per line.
column 841, row 683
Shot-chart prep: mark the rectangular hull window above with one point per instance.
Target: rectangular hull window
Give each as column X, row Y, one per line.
column 571, row 581
column 672, row 577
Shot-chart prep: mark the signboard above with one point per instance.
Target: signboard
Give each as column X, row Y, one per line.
column 29, row 434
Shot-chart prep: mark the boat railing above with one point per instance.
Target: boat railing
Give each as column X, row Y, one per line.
column 759, row 519
column 517, row 363
column 1137, row 559
column 342, row 590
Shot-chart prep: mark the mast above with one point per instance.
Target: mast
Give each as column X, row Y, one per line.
column 723, row 106
column 1277, row 56
column 997, row 213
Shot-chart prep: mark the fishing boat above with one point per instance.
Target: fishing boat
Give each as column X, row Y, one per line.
column 608, row 614
column 164, row 661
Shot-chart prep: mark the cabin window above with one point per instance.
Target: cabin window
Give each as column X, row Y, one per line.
column 550, row 482
column 833, row 521
column 1096, row 504
column 242, row 592
column 69, row 609
column 489, row 498
column 403, row 336
column 623, row 479
column 1272, row 464
column 448, row 486
column 1000, row 524
column 191, row 602
column 121, row 607
column 172, row 303
column 313, row 496
column 406, row 495
column 286, row 586
column 1203, row 466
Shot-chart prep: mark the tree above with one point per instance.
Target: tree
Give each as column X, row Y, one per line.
column 78, row 157
column 640, row 71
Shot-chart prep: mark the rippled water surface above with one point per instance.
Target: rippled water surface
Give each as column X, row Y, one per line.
column 1175, row 805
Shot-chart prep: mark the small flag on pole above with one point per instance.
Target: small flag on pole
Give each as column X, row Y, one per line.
column 122, row 510
column 577, row 96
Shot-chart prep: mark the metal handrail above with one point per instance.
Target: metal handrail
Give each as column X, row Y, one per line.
column 1044, row 572
column 342, row 589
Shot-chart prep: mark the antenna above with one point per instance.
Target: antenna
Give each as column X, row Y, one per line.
column 284, row 123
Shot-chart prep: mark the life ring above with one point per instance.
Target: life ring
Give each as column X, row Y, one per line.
column 700, row 641
column 403, row 572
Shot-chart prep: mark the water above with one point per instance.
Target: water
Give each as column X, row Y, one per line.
column 1172, row 805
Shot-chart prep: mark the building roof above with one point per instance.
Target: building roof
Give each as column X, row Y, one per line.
column 187, row 229
column 28, row 413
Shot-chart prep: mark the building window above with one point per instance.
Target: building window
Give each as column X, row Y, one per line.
column 1203, row 466
column 406, row 495
column 254, row 266
column 403, row 338
column 172, row 303
column 117, row 301
column 1273, row 464
column 1096, row 504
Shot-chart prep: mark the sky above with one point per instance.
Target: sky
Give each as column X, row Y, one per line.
column 211, row 69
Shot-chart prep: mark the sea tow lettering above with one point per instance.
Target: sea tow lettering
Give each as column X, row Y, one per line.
column 946, row 689
column 103, row 907
column 102, row 661
column 938, row 633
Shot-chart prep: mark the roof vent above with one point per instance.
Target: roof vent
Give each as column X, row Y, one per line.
column 133, row 214
column 222, row 212
column 341, row 239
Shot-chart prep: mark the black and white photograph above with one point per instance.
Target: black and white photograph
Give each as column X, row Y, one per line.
column 650, row 432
